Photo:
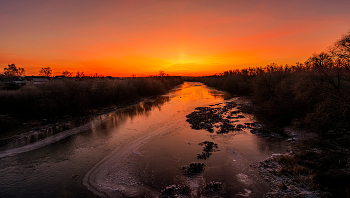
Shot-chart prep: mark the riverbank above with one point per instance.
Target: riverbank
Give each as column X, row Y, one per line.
column 33, row 131
column 315, row 164
column 17, row 126
column 312, row 167
column 34, row 106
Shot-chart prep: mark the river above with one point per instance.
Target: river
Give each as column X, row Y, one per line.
column 138, row 151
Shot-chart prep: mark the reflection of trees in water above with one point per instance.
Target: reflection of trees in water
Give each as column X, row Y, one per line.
column 101, row 123
column 142, row 108
column 220, row 94
column 268, row 145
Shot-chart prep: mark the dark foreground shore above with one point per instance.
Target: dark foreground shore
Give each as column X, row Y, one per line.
column 312, row 167
column 315, row 164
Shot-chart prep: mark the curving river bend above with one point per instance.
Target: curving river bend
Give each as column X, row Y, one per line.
column 138, row 152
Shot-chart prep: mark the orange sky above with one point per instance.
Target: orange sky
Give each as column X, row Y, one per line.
column 180, row 37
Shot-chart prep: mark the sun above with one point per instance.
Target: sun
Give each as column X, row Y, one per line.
column 185, row 59
column 182, row 59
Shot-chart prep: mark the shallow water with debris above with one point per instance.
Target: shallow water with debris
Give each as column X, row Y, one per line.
column 140, row 151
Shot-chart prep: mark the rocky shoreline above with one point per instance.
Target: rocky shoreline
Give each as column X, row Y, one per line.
column 311, row 167
column 285, row 176
column 283, row 185
column 306, row 166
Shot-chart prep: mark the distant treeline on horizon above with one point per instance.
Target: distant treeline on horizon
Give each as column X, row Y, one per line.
column 313, row 95
column 13, row 71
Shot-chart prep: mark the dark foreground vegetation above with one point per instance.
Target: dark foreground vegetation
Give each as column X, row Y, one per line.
column 74, row 96
column 314, row 95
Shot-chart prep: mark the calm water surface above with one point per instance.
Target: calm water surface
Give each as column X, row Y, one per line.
column 138, row 151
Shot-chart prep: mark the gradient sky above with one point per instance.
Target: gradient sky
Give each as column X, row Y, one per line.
column 192, row 37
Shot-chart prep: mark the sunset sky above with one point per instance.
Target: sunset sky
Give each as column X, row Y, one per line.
column 180, row 37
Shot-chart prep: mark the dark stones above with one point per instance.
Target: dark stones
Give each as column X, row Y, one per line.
column 209, row 147
column 204, row 155
column 175, row 191
column 208, row 118
column 240, row 126
column 240, row 116
column 213, row 189
column 193, row 169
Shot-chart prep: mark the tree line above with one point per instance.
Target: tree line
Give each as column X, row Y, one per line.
column 314, row 94
column 13, row 71
column 333, row 64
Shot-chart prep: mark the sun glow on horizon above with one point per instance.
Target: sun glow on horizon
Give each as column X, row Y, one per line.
column 120, row 38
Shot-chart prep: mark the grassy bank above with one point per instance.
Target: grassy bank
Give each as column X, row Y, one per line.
column 76, row 97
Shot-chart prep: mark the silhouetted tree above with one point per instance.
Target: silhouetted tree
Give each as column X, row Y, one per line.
column 341, row 48
column 67, row 73
column 97, row 75
column 161, row 73
column 12, row 70
column 46, row 71
column 80, row 74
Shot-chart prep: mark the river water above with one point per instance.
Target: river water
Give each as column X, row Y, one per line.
column 138, row 151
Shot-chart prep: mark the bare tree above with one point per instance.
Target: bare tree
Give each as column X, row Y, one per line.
column 161, row 73
column 67, row 73
column 341, row 48
column 46, row 71
column 96, row 75
column 326, row 65
column 80, row 74
column 12, row 70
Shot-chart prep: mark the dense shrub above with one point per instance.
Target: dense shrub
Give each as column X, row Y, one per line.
column 72, row 96
column 237, row 84
column 313, row 95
